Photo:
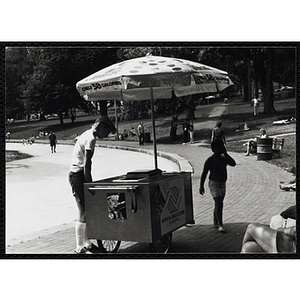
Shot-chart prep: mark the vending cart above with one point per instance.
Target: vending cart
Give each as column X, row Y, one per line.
column 140, row 206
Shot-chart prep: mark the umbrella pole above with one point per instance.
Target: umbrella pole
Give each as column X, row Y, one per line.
column 116, row 119
column 153, row 128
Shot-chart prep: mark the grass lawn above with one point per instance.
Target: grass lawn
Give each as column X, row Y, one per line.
column 285, row 110
column 233, row 115
column 11, row 155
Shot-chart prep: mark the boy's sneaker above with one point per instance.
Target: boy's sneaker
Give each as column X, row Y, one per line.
column 222, row 229
column 287, row 187
column 83, row 250
column 93, row 249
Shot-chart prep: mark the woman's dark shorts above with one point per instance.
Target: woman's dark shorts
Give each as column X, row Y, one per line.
column 76, row 181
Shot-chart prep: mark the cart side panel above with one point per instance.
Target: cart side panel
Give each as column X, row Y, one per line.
column 188, row 191
column 136, row 223
column 168, row 205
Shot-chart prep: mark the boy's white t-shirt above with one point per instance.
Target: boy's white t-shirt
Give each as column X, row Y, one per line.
column 86, row 141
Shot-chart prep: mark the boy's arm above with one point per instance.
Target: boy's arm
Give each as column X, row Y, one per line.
column 203, row 177
column 88, row 166
column 229, row 159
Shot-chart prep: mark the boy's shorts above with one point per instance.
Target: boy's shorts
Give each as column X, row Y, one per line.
column 76, row 181
column 217, row 189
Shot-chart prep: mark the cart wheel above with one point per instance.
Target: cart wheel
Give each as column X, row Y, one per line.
column 108, row 246
column 163, row 244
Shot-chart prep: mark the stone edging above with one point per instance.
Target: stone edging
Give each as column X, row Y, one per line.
column 183, row 164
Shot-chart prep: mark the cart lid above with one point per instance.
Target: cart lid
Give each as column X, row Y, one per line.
column 143, row 173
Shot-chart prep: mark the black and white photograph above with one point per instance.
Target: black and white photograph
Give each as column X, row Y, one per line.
column 150, row 149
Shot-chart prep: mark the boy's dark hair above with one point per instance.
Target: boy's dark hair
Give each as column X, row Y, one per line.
column 107, row 123
column 217, row 145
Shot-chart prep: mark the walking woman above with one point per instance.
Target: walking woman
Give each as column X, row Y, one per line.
column 217, row 164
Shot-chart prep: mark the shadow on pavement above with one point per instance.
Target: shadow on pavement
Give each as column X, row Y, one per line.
column 191, row 240
column 199, row 239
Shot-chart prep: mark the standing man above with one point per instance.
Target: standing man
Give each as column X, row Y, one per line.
column 52, row 139
column 185, row 127
column 217, row 164
column 141, row 133
column 73, row 118
column 218, row 133
column 191, row 129
column 255, row 105
column 80, row 173
column 173, row 132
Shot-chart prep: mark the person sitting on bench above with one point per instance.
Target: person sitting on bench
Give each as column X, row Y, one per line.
column 252, row 143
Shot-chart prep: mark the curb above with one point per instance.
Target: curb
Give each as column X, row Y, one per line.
column 182, row 163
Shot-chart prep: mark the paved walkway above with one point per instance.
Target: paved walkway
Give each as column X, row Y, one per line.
column 252, row 195
column 38, row 195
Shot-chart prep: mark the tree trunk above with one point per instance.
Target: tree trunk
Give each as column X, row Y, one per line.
column 246, row 92
column 61, row 119
column 267, row 90
column 189, row 113
column 248, row 79
column 263, row 60
column 190, row 109
column 268, row 95
column 256, row 86
column 103, row 108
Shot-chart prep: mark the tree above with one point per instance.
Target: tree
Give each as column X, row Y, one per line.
column 263, row 64
column 15, row 68
column 284, row 66
column 50, row 86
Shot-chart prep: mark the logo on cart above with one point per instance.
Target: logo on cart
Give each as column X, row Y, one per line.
column 173, row 199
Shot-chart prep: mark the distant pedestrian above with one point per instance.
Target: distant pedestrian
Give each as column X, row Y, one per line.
column 10, row 122
column 243, row 126
column 218, row 133
column 191, row 130
column 52, row 139
column 251, row 144
column 173, row 132
column 255, row 105
column 31, row 140
column 185, row 127
column 217, row 164
column 132, row 132
column 73, row 118
column 141, row 133
column 124, row 135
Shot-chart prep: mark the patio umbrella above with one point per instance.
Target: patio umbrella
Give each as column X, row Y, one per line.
column 152, row 77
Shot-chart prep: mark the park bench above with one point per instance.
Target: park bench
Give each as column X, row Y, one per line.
column 277, row 146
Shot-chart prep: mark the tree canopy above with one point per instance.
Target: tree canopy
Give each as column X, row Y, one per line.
column 43, row 79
